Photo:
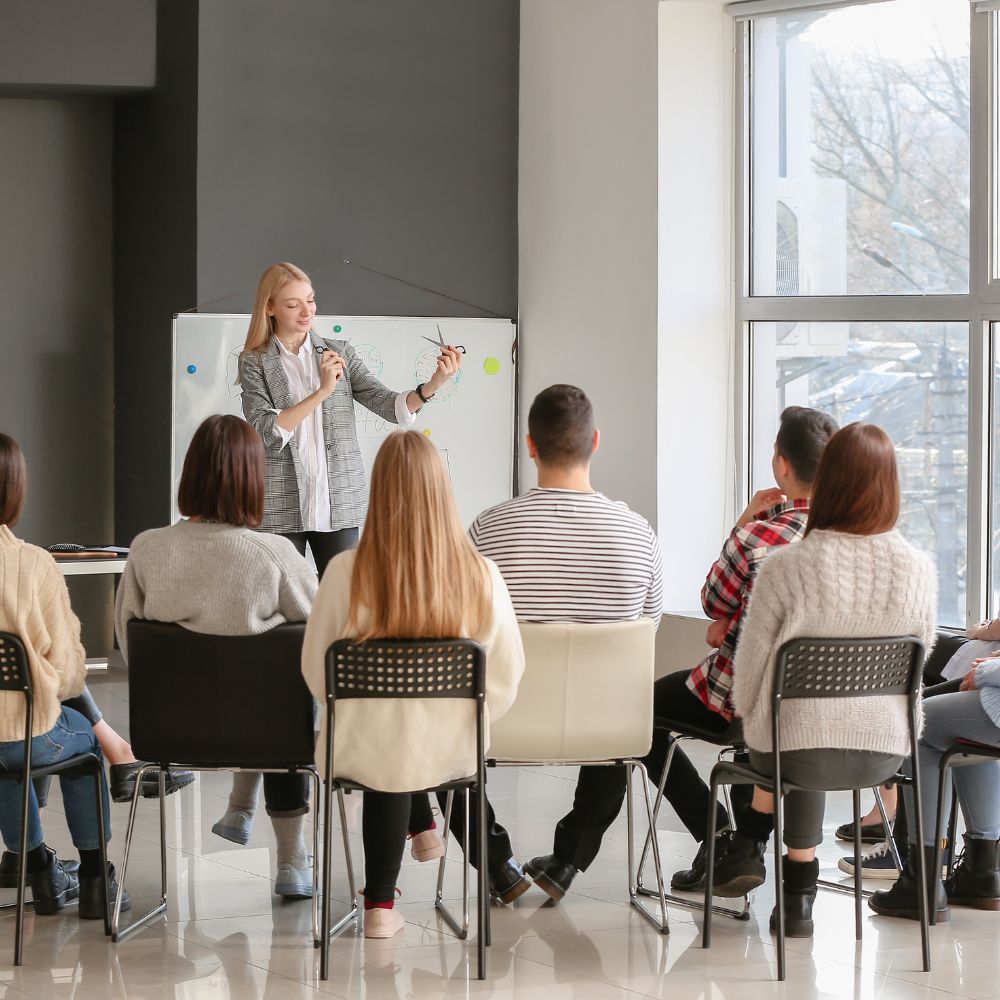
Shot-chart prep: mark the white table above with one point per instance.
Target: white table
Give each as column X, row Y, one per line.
column 92, row 567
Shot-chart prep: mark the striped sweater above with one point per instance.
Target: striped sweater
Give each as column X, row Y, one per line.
column 571, row 556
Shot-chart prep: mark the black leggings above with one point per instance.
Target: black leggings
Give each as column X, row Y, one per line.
column 386, row 818
column 324, row 544
column 84, row 704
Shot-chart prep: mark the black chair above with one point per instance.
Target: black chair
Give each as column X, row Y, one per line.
column 729, row 741
column 405, row 669
column 218, row 703
column 829, row 668
column 15, row 675
column 959, row 754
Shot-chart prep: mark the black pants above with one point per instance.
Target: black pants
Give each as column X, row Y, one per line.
column 498, row 846
column 286, row 794
column 324, row 544
column 600, row 790
column 84, row 704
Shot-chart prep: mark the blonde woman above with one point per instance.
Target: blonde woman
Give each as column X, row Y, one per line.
column 414, row 575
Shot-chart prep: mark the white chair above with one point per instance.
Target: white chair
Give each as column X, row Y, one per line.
column 586, row 698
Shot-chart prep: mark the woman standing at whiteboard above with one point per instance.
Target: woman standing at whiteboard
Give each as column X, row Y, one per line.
column 298, row 394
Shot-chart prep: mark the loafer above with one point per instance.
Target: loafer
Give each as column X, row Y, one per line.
column 509, row 882
column 235, row 826
column 8, row 870
column 91, row 904
column 53, row 887
column 551, row 875
column 871, row 834
column 294, row 883
column 123, row 781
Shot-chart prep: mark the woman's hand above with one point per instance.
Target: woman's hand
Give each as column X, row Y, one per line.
column 331, row 371
column 448, row 363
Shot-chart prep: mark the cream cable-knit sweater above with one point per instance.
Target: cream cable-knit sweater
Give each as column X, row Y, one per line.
column 34, row 605
column 832, row 585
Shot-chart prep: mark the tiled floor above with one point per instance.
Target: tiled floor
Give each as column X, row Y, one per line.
column 226, row 935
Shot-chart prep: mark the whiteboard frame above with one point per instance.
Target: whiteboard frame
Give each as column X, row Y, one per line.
column 512, row 477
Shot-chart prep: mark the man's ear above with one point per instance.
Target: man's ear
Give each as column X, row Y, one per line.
column 597, row 442
column 782, row 466
column 532, row 450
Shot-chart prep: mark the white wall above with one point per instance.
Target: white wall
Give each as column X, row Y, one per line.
column 696, row 385
column 587, row 225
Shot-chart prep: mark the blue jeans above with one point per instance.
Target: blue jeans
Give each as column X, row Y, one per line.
column 947, row 718
column 71, row 735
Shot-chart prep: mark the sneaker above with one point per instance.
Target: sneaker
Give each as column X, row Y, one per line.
column 235, row 826
column 426, row 845
column 91, row 904
column 8, row 870
column 874, row 833
column 383, row 923
column 295, row 883
column 876, row 862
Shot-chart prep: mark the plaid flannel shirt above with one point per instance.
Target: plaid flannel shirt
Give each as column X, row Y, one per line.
column 727, row 592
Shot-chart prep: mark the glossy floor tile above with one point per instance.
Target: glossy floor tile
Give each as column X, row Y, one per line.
column 226, row 934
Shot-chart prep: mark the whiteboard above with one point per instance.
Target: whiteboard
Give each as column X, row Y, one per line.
column 470, row 421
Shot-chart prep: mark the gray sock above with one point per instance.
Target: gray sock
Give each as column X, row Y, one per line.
column 288, row 832
column 243, row 796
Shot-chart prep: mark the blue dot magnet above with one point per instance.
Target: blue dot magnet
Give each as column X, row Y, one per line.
column 337, row 328
column 191, row 369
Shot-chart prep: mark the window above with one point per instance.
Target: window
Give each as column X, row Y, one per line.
column 866, row 266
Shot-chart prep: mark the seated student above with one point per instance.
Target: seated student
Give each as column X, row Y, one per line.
column 213, row 573
column 567, row 553
column 34, row 605
column 414, row 575
column 971, row 713
column 851, row 576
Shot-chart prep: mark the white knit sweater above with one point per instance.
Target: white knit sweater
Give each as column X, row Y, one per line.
column 34, row 605
column 832, row 585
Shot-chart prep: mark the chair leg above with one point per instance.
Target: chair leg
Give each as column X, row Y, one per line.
column 326, row 932
column 461, row 930
column 779, row 879
column 651, row 835
column 918, row 822
column 117, row 933
column 706, row 922
column 483, row 874
column 443, row 863
column 102, row 834
column 317, row 809
column 22, row 867
column 856, row 799
column 952, row 830
column 889, row 826
column 660, row 924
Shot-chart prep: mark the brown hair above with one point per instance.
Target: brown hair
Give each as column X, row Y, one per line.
column 857, row 484
column 561, row 423
column 223, row 475
column 416, row 572
column 13, row 480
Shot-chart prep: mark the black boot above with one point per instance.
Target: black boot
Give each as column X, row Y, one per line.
column 53, row 887
column 739, row 866
column 91, row 895
column 800, row 893
column 903, row 899
column 975, row 881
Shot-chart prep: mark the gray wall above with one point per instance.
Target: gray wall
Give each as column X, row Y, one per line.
column 56, row 284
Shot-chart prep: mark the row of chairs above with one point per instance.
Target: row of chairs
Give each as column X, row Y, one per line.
column 585, row 699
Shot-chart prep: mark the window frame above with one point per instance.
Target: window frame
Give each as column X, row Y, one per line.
column 979, row 308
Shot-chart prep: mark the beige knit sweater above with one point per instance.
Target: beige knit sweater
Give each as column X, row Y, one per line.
column 832, row 585
column 34, row 605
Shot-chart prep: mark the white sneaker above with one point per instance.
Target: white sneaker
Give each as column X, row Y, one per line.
column 426, row 846
column 876, row 862
column 295, row 883
column 383, row 923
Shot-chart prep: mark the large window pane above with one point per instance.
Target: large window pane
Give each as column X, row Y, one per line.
column 860, row 150
column 909, row 378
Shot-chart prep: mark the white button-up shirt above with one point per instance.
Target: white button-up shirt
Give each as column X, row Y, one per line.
column 302, row 372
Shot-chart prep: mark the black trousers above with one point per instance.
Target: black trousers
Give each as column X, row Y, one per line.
column 386, row 818
column 286, row 794
column 324, row 544
column 600, row 790
column 498, row 846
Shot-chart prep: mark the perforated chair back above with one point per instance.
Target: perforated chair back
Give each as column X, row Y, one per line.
column 219, row 701
column 586, row 694
column 14, row 672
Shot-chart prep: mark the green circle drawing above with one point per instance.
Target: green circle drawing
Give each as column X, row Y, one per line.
column 337, row 328
column 491, row 366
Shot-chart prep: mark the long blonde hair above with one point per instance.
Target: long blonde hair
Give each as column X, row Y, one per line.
column 416, row 572
column 262, row 326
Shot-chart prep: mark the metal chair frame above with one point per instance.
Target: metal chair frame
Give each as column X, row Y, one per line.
column 401, row 669
column 15, row 675
column 810, row 668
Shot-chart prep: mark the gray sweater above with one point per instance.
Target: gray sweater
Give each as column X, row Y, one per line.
column 213, row 578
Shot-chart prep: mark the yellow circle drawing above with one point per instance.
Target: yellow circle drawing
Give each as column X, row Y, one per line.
column 491, row 366
column 426, row 432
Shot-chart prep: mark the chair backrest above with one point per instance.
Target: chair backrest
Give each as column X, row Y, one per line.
column 586, row 694
column 15, row 675
column 219, row 701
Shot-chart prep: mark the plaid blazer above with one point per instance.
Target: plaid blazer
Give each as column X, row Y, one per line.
column 265, row 389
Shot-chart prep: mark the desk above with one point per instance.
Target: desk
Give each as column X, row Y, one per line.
column 91, row 567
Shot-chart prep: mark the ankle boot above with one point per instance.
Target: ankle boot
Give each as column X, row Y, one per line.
column 739, row 865
column 800, row 894
column 903, row 899
column 975, row 881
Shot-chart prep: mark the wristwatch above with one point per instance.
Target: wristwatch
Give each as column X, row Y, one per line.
column 420, row 393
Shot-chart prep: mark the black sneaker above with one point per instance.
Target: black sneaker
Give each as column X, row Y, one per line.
column 740, row 869
column 693, row 879
column 8, row 870
column 509, row 882
column 91, row 905
column 53, row 887
column 122, row 780
column 551, row 875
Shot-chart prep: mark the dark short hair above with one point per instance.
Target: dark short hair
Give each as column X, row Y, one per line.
column 857, row 485
column 13, row 481
column 802, row 436
column 223, row 475
column 561, row 423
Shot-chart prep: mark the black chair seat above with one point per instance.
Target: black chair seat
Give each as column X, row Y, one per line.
column 80, row 765
column 732, row 735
